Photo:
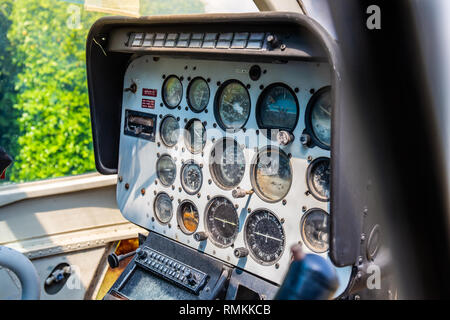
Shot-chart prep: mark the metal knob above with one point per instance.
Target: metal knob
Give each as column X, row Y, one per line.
column 240, row 193
column 272, row 40
column 284, row 137
column 240, row 252
column 200, row 236
column 305, row 139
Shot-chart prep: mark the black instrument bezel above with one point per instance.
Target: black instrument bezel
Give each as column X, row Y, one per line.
column 260, row 100
column 162, row 91
column 216, row 106
column 308, row 121
column 188, row 91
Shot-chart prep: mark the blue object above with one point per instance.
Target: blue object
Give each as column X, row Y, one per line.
column 312, row 278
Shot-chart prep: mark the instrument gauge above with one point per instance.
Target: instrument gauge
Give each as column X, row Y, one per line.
column 271, row 174
column 166, row 170
column 315, row 230
column 232, row 105
column 195, row 136
column 227, row 163
column 191, row 177
column 172, row 92
column 318, row 178
column 163, row 207
column 187, row 216
column 318, row 118
column 198, row 94
column 277, row 108
column 169, row 131
column 222, row 221
column 264, row 237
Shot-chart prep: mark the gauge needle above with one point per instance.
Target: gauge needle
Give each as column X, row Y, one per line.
column 267, row 236
column 325, row 110
column 225, row 221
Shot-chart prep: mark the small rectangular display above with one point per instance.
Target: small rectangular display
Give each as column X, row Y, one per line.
column 140, row 124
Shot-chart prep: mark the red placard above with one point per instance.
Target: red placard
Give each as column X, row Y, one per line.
column 149, row 92
column 148, row 103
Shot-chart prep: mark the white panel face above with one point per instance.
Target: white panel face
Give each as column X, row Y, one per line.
column 138, row 157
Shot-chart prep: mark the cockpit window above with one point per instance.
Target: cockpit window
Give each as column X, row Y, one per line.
column 44, row 108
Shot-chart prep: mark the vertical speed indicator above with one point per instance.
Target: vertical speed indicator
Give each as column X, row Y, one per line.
column 264, row 237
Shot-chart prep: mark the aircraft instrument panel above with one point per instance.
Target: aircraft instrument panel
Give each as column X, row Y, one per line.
column 229, row 158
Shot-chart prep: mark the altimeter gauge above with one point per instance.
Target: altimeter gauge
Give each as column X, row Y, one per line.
column 264, row 237
column 222, row 221
column 191, row 177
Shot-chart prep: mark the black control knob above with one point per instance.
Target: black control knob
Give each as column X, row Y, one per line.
column 114, row 260
column 200, row 236
column 272, row 40
column 141, row 253
column 305, row 139
column 240, row 252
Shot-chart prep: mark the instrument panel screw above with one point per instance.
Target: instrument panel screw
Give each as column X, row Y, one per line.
column 248, row 86
column 208, row 197
column 283, row 47
column 198, row 195
column 153, row 219
column 194, row 68
column 173, row 187
column 214, row 251
column 249, row 210
column 185, row 67
column 261, row 87
column 154, row 192
column 163, row 76
column 185, row 120
column 179, row 201
column 304, row 208
column 160, row 116
column 309, row 158
column 158, row 144
column 201, row 165
column 277, row 265
column 142, row 191
column 312, row 91
column 218, row 83
column 357, row 297
column 208, row 80
column 296, row 90
column 179, row 189
column 284, row 202
column 307, row 193
column 171, row 198
column 170, row 226
column 120, row 178
column 182, row 149
column 205, row 123
column 215, row 125
column 206, row 110
column 127, row 186
column 236, row 206
column 156, row 181
column 282, row 220
column 189, row 78
column 179, row 108
column 209, row 181
column 363, row 237
column 186, row 108
column 181, row 78
column 158, row 155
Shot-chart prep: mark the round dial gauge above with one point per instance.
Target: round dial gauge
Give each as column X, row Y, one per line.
column 277, row 108
column 172, row 92
column 163, row 207
column 222, row 221
column 195, row 136
column 264, row 237
column 318, row 178
column 318, row 117
column 271, row 175
column 315, row 230
column 191, row 177
column 198, row 94
column 232, row 107
column 170, row 131
column 166, row 170
column 187, row 216
column 227, row 163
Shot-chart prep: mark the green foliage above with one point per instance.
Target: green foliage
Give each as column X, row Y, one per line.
column 8, row 71
column 54, row 124
column 44, row 108
column 154, row 7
